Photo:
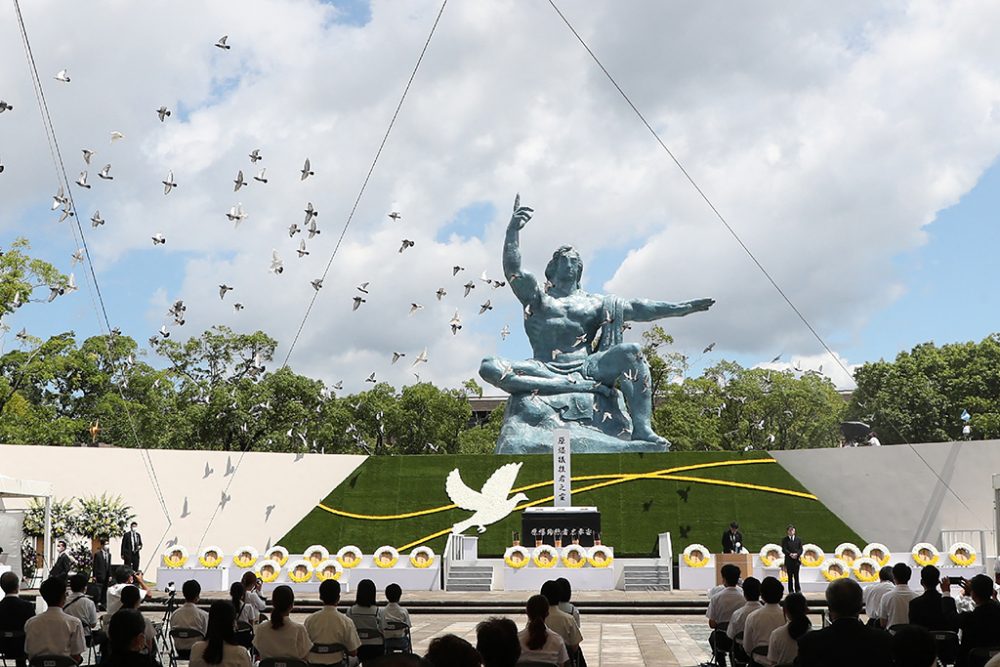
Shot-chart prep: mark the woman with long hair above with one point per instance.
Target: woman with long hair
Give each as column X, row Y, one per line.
column 126, row 640
column 219, row 648
column 538, row 643
column 783, row 645
column 281, row 637
column 367, row 620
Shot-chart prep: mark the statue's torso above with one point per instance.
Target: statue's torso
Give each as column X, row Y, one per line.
column 556, row 323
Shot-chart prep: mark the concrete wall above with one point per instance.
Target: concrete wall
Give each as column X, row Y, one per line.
column 903, row 494
column 293, row 486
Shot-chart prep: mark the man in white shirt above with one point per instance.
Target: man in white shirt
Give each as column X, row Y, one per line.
column 874, row 592
column 761, row 623
column 54, row 632
column 894, row 607
column 81, row 606
column 124, row 577
column 189, row 617
column 559, row 621
column 393, row 612
column 751, row 593
column 720, row 609
column 329, row 626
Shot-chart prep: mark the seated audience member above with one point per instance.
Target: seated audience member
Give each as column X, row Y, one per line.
column 253, row 584
column 124, row 577
column 54, row 632
column 392, row 612
column 933, row 610
column 894, row 608
column 131, row 599
column 783, row 645
column 559, row 621
column 129, row 631
column 189, row 617
column 220, row 647
column 364, row 613
column 873, row 594
column 329, row 626
column 720, row 610
column 538, row 642
column 246, row 613
column 751, row 595
column 980, row 627
column 81, row 606
column 846, row 641
column 913, row 646
column 451, row 651
column 13, row 613
column 282, row 637
column 565, row 595
column 761, row 623
column 497, row 643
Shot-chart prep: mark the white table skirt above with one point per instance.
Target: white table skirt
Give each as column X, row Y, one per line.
column 582, row 578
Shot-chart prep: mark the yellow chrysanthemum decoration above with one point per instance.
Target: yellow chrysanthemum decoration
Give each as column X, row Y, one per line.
column 210, row 557
column 866, row 569
column 300, row 571
column 545, row 556
column 329, row 569
column 268, row 570
column 812, row 555
column 835, row 568
column 175, row 557
column 696, row 555
column 962, row 554
column 925, row 554
column 574, row 556
column 349, row 556
column 386, row 557
column 422, row 557
column 517, row 557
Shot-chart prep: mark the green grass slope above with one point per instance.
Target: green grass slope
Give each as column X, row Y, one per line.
column 632, row 512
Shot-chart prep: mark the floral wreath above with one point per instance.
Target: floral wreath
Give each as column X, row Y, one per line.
column 782, row 574
column 959, row 559
column 316, row 550
column 605, row 556
column 829, row 574
column 282, row 555
column 273, row 565
column 874, row 549
column 205, row 561
column 245, row 563
column 428, row 554
column 383, row 550
column 168, row 555
column 860, row 574
column 847, row 552
column 295, row 576
column 545, row 550
column 920, row 559
column 517, row 564
column 816, row 559
column 702, row 552
column 320, row 571
column 769, row 553
column 581, row 556
column 354, row 551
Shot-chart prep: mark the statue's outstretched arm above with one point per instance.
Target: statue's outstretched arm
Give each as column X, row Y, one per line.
column 647, row 310
column 524, row 284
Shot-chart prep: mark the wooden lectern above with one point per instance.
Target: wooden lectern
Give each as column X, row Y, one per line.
column 742, row 561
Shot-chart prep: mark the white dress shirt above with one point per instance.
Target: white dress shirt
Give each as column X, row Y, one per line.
column 189, row 617
column 724, row 603
column 393, row 613
column 247, row 614
column 563, row 625
column 289, row 641
column 894, row 608
column 115, row 598
column 553, row 651
column 54, row 632
column 571, row 609
column 79, row 605
column 256, row 601
column 759, row 626
column 329, row 626
column 781, row 648
column 872, row 596
column 739, row 618
column 232, row 656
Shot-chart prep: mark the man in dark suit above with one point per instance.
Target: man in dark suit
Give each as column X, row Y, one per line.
column 791, row 546
column 131, row 545
column 63, row 563
column 732, row 539
column 981, row 626
column 13, row 613
column 101, row 569
column 933, row 610
column 846, row 641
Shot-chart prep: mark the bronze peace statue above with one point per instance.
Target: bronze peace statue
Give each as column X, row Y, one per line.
column 583, row 377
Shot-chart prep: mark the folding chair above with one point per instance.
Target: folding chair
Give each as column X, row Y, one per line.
column 52, row 661
column 282, row 662
column 737, row 654
column 369, row 649
column 329, row 649
column 947, row 646
column 394, row 642
column 719, row 642
column 11, row 645
column 181, row 653
column 759, row 650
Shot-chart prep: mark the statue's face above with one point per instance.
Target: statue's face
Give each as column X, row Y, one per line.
column 565, row 266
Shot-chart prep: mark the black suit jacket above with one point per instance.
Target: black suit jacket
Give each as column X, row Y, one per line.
column 13, row 613
column 847, row 641
column 102, row 567
column 127, row 547
column 934, row 611
column 980, row 627
column 62, row 566
column 791, row 545
column 729, row 541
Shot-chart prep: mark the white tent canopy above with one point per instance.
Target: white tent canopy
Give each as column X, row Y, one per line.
column 27, row 488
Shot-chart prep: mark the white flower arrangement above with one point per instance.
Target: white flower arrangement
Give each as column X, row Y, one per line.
column 245, row 557
column 315, row 554
column 545, row 556
column 349, row 556
column 268, row 570
column 329, row 569
column 770, row 554
column 517, row 557
column 422, row 557
column 278, row 554
column 210, row 557
column 962, row 554
column 812, row 555
column 878, row 552
column 385, row 557
column 696, row 555
column 835, row 568
column 300, row 571
column 574, row 556
column 847, row 552
column 866, row 569
column 925, row 554
column 600, row 556
column 175, row 557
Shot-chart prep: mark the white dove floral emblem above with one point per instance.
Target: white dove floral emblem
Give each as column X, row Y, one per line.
column 491, row 503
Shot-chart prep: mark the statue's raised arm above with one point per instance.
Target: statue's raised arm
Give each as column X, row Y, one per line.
column 524, row 284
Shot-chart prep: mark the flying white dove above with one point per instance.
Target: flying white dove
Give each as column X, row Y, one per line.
column 163, row 113
column 255, row 156
column 306, row 170
column 422, row 357
column 490, row 504
column 116, row 136
column 260, row 177
column 238, row 182
column 82, row 181
column 62, row 76
column 277, row 266
column 105, row 173
column 222, row 43
column 169, row 183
